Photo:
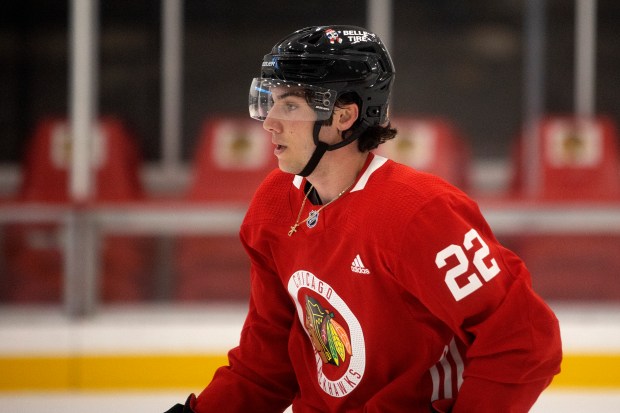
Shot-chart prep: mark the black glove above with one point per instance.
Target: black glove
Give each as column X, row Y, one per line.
column 186, row 408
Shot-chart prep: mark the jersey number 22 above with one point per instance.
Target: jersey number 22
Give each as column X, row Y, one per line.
column 485, row 272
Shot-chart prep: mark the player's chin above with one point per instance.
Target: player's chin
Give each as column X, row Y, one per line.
column 288, row 167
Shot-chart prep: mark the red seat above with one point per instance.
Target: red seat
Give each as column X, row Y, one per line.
column 578, row 163
column 34, row 258
column 431, row 145
column 578, row 159
column 233, row 157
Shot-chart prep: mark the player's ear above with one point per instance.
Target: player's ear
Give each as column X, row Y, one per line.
column 345, row 116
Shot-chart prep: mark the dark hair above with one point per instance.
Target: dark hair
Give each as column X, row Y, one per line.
column 373, row 136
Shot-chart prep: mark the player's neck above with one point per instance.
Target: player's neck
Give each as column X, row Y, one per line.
column 338, row 172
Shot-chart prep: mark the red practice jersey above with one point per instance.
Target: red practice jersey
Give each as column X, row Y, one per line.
column 395, row 298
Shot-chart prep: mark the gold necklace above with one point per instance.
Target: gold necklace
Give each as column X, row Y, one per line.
column 316, row 214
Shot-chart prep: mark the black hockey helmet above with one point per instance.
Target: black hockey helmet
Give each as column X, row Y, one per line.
column 328, row 62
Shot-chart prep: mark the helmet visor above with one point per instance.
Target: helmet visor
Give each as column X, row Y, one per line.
column 285, row 100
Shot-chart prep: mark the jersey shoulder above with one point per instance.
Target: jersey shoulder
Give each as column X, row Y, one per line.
column 271, row 200
column 410, row 189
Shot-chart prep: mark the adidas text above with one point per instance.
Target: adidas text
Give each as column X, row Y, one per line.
column 360, row 270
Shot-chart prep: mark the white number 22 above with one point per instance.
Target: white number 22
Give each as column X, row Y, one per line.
column 487, row 272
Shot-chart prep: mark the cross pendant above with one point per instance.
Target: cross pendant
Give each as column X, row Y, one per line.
column 293, row 230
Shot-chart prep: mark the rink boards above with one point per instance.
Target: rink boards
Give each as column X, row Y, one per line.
column 154, row 348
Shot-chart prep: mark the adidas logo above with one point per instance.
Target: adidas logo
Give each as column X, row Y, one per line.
column 358, row 266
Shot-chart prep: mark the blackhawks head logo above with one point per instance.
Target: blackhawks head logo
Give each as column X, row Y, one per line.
column 328, row 337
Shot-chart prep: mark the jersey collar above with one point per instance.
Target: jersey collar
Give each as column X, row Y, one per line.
column 373, row 162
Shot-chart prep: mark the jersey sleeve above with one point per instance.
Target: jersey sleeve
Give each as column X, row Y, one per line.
column 260, row 376
column 483, row 292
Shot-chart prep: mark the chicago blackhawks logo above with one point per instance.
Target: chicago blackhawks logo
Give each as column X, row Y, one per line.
column 330, row 340
column 334, row 332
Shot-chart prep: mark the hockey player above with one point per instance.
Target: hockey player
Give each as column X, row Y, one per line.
column 375, row 287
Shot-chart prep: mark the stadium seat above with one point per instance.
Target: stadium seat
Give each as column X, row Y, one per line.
column 234, row 155
column 431, row 145
column 115, row 161
column 578, row 160
column 33, row 252
column 578, row 164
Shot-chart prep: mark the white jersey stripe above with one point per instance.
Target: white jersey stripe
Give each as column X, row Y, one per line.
column 458, row 361
column 297, row 181
column 450, row 374
column 435, row 378
column 375, row 164
column 447, row 374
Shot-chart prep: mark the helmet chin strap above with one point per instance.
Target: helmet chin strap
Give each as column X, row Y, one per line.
column 322, row 147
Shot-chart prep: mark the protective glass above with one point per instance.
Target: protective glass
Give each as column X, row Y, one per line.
column 290, row 100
